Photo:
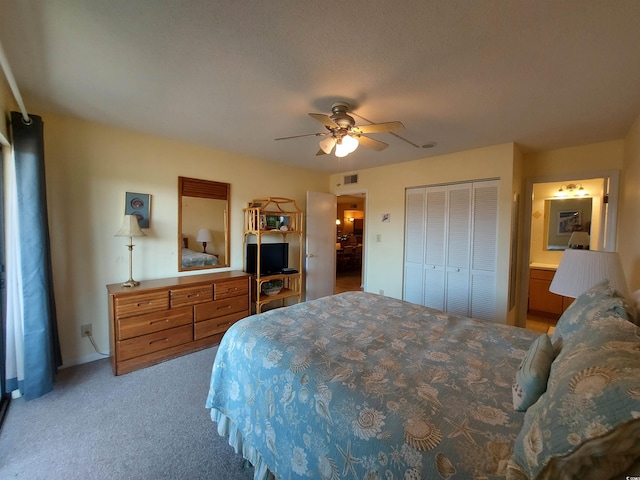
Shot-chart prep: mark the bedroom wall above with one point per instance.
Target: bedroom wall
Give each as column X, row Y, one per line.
column 385, row 187
column 589, row 158
column 89, row 167
column 629, row 225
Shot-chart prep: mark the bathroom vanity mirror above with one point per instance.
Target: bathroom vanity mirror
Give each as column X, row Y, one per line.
column 203, row 219
column 565, row 216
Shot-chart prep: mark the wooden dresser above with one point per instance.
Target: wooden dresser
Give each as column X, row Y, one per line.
column 165, row 318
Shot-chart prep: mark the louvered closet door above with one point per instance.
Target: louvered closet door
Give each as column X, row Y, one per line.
column 484, row 249
column 414, row 245
column 458, row 242
column 435, row 243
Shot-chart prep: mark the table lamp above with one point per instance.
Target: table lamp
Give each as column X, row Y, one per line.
column 579, row 270
column 579, row 240
column 204, row 236
column 130, row 228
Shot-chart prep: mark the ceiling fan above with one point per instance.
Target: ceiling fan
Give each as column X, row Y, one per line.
column 343, row 134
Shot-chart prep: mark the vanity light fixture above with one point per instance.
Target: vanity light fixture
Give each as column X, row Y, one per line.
column 575, row 189
column 204, row 236
column 130, row 228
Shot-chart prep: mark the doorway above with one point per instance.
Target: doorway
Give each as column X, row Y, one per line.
column 350, row 228
column 539, row 308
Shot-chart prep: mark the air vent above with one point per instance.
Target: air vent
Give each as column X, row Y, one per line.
column 350, row 179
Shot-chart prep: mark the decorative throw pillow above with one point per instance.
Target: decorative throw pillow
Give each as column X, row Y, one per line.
column 587, row 424
column 598, row 301
column 532, row 375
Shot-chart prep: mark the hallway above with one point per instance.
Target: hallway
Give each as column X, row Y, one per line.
column 348, row 281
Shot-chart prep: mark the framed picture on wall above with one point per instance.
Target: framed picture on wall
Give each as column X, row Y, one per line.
column 138, row 204
column 568, row 221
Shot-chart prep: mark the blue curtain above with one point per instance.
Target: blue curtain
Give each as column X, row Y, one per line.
column 41, row 348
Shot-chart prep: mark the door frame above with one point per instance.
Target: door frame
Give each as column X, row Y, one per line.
column 5, row 398
column 363, row 192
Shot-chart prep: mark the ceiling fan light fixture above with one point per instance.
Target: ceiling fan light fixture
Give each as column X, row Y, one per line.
column 346, row 145
column 341, row 150
column 350, row 143
column 327, row 144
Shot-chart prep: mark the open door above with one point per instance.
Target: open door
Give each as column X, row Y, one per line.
column 320, row 264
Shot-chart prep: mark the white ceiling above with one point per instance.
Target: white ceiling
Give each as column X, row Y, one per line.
column 235, row 74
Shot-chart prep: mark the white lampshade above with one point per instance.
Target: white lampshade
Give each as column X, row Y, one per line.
column 130, row 228
column 579, row 270
column 204, row 235
column 579, row 240
column 327, row 144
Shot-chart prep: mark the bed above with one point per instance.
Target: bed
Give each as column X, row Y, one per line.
column 363, row 386
column 191, row 258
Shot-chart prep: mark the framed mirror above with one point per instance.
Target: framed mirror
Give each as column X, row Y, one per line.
column 203, row 219
column 565, row 216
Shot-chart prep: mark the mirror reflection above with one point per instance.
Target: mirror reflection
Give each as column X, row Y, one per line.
column 565, row 216
column 203, row 217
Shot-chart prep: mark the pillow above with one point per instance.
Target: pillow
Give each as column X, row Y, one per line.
column 532, row 375
column 596, row 302
column 587, row 424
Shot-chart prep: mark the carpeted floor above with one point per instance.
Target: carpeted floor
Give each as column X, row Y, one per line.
column 149, row 424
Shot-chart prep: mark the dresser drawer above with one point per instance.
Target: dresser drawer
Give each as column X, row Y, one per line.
column 212, row 326
column 153, row 322
column 230, row 289
column 131, row 305
column 153, row 342
column 219, row 308
column 191, row 295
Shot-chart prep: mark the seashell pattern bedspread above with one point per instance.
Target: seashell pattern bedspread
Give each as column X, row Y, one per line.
column 362, row 386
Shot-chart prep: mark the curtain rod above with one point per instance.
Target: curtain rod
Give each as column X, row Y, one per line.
column 13, row 85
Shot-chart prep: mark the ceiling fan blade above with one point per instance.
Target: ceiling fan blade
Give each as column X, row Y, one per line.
column 325, row 120
column 372, row 143
column 380, row 127
column 305, row 135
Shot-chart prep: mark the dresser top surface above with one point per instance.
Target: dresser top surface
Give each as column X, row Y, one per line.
column 187, row 280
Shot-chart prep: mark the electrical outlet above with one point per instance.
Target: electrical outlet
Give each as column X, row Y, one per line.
column 86, row 330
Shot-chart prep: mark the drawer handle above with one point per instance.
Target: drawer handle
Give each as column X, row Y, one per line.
column 193, row 295
column 225, row 307
column 164, row 340
column 142, row 303
column 164, row 320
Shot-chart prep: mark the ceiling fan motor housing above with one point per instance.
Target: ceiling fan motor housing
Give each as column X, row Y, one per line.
column 341, row 117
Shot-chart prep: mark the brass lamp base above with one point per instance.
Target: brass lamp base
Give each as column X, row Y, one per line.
column 131, row 283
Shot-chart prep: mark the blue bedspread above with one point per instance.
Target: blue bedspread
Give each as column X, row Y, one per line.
column 363, row 386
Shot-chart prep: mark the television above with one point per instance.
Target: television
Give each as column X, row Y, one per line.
column 273, row 258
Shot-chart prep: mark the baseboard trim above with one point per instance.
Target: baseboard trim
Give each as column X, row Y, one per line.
column 80, row 360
